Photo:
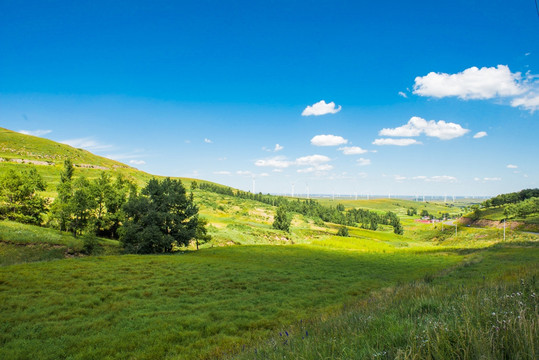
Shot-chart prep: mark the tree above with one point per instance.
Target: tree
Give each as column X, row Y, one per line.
column 159, row 218
column 343, row 231
column 60, row 212
column 19, row 200
column 201, row 235
column 282, row 220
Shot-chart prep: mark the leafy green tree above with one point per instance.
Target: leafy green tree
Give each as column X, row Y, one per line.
column 109, row 197
column 80, row 206
column 343, row 231
column 19, row 198
column 60, row 211
column 282, row 219
column 159, row 218
column 202, row 235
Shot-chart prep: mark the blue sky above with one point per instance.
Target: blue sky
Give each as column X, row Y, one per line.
column 208, row 89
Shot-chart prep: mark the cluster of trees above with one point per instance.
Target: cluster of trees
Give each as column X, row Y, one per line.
column 311, row 208
column 511, row 198
column 523, row 208
column 411, row 211
column 158, row 218
column 19, row 197
column 91, row 206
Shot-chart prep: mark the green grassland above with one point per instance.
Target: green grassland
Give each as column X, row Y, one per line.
column 190, row 305
column 256, row 292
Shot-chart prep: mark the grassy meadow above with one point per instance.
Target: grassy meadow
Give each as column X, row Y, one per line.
column 254, row 292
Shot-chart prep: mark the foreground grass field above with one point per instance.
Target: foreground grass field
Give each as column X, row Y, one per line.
column 196, row 305
column 485, row 308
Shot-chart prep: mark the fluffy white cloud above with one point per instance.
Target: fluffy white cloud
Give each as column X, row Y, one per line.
column 312, row 160
column 417, row 126
column 137, row 162
column 492, row 179
column 86, row 143
column 313, row 163
column 403, row 94
column 529, row 102
column 363, row 162
column 35, row 132
column 276, row 162
column 278, row 147
column 207, row 141
column 511, row 166
column 480, row 134
column 321, row 108
column 223, row 172
column 442, row 178
column 352, row 150
column 472, row 83
column 396, row 142
column 317, row 168
column 328, row 140
column 399, row 178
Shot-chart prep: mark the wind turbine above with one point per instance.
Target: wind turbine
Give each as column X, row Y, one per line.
column 254, row 183
column 308, row 197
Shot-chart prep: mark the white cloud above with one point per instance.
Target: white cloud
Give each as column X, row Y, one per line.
column 35, row 132
column 278, row 148
column 222, row 172
column 277, row 162
column 321, row 108
column 403, row 94
column 263, row 174
column 472, row 83
column 316, row 168
column 207, row 141
column 511, row 166
column 529, row 102
column 442, row 178
column 278, row 170
column 86, row 143
column 417, row 126
column 312, row 160
column 328, row 140
column 314, row 163
column 363, row 162
column 137, row 162
column 244, row 173
column 492, row 179
column 480, row 134
column 396, row 142
column 399, row 178
column 352, row 150
column 419, row 177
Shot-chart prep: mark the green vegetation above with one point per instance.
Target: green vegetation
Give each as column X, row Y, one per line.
column 282, row 219
column 160, row 217
column 21, row 243
column 477, row 310
column 354, row 279
column 19, row 199
column 201, row 304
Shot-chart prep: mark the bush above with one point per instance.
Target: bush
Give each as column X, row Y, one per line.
column 343, row 231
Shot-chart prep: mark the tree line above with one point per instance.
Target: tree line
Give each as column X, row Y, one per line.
column 155, row 219
column 510, row 198
column 335, row 214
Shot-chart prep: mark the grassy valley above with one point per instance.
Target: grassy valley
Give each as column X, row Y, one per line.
column 256, row 292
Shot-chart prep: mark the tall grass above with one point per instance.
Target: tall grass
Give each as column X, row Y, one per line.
column 478, row 311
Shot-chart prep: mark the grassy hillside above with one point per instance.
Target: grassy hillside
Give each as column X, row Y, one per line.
column 305, row 294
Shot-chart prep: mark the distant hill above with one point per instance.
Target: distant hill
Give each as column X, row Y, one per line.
column 19, row 148
column 19, row 151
